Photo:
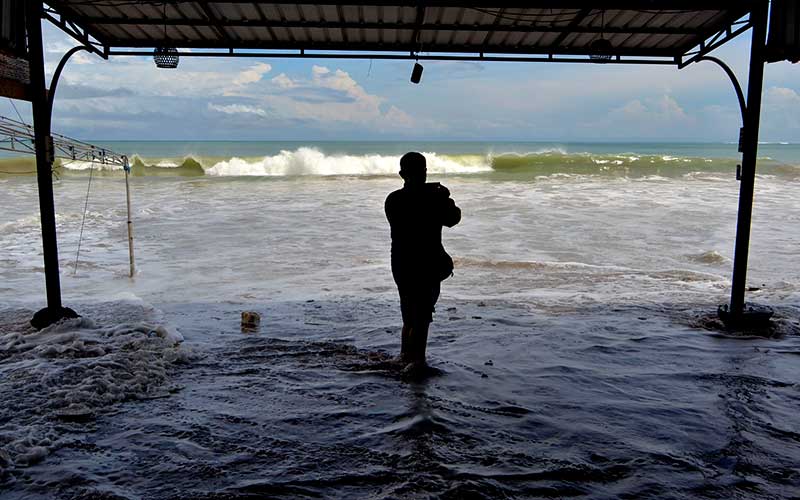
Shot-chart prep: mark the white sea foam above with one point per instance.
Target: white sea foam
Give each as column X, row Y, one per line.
column 77, row 369
column 87, row 165
column 310, row 161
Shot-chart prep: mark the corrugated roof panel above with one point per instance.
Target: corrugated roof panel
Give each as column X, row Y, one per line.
column 667, row 41
column 617, row 40
column 283, row 34
column 451, row 16
column 475, row 38
column 371, row 36
column 371, row 14
column 309, row 25
column 248, row 11
column 334, row 35
column 623, row 19
column 185, row 33
column 687, row 41
column 428, row 38
column 634, row 40
column 404, row 37
column 514, row 39
column 653, row 41
column 330, row 13
column 298, row 34
column 114, row 32
column 259, row 33
column 350, row 14
column 207, row 33
column 547, row 39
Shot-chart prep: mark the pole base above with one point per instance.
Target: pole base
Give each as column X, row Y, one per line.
column 753, row 317
column 47, row 316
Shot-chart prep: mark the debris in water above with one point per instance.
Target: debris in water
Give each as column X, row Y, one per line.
column 250, row 321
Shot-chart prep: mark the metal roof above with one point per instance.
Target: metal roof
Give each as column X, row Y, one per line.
column 673, row 29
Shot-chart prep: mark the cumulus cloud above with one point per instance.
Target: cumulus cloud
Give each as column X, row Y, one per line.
column 332, row 98
column 253, row 74
column 284, row 82
column 663, row 109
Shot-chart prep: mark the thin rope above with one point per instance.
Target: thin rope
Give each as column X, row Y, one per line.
column 83, row 221
column 17, row 111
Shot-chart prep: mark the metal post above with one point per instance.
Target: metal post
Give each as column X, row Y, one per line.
column 130, row 222
column 44, row 153
column 54, row 311
column 758, row 18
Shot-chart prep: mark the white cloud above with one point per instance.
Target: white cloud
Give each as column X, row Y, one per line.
column 331, row 98
column 238, row 109
column 252, row 74
column 782, row 96
column 780, row 116
column 660, row 110
column 284, row 82
column 399, row 118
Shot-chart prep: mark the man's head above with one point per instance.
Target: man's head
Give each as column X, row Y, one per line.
column 412, row 168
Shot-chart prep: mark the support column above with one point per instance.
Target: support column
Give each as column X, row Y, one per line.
column 749, row 152
column 44, row 163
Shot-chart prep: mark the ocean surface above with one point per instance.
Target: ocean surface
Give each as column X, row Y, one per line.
column 577, row 346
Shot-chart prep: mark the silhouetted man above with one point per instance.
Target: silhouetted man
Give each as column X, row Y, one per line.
column 416, row 215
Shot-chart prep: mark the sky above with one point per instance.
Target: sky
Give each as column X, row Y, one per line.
column 128, row 98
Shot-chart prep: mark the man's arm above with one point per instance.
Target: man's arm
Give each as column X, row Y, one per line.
column 388, row 208
column 451, row 214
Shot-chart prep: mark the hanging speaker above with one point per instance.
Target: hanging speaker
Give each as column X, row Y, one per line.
column 416, row 73
column 783, row 43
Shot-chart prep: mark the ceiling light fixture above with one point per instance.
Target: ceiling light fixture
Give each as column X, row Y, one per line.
column 166, row 57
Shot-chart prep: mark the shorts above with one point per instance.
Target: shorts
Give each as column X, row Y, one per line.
column 417, row 301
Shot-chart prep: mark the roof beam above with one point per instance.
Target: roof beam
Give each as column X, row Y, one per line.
column 276, row 23
column 403, row 57
column 392, row 47
column 516, row 4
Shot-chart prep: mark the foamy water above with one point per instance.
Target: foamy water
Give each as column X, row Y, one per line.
column 572, row 339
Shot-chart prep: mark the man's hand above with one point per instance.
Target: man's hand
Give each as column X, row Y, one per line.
column 438, row 189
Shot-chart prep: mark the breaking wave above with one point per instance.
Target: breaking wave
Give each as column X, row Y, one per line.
column 308, row 161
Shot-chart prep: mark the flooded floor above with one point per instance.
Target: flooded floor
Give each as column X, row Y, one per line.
column 627, row 403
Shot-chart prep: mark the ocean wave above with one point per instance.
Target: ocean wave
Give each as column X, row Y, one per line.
column 309, row 161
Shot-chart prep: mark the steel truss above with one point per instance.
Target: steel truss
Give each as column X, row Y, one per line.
column 18, row 137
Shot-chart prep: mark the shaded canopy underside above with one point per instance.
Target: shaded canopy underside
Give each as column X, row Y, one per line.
column 642, row 28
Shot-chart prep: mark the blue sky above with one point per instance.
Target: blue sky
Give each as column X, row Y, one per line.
column 289, row 99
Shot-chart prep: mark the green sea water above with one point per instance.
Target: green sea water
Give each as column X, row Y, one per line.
column 501, row 159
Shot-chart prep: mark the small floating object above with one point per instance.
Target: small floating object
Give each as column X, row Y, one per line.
column 250, row 320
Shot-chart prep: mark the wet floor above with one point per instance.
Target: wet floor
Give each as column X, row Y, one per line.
column 631, row 403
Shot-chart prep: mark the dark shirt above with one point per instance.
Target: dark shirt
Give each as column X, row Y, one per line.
column 416, row 215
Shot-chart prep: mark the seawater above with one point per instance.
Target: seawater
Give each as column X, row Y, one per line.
column 576, row 339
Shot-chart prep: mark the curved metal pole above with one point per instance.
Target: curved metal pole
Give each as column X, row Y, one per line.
column 734, row 81
column 749, row 141
column 51, row 94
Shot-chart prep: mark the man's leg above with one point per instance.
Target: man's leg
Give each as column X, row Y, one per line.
column 406, row 348
column 419, row 342
column 422, row 322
